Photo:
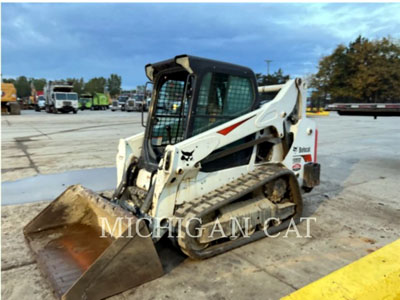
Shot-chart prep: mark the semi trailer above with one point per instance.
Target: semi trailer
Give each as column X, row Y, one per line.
column 366, row 109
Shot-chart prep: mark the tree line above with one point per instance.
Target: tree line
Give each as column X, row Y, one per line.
column 364, row 71
column 112, row 84
column 275, row 78
column 24, row 85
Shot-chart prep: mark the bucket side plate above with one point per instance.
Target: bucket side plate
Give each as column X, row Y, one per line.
column 80, row 258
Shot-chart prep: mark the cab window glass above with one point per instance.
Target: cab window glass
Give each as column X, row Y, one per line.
column 221, row 97
column 61, row 96
column 170, row 111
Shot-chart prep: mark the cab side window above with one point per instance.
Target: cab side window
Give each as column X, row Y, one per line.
column 222, row 97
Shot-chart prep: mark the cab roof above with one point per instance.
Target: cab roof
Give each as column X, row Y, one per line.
column 196, row 65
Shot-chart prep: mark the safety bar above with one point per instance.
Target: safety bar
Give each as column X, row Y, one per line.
column 270, row 88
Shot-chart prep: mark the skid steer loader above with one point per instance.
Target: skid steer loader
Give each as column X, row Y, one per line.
column 212, row 151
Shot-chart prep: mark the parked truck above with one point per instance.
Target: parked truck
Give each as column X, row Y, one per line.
column 119, row 103
column 85, row 102
column 136, row 103
column 40, row 103
column 60, row 98
column 100, row 102
column 9, row 104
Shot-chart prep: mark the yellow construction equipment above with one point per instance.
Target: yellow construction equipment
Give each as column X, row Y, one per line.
column 9, row 104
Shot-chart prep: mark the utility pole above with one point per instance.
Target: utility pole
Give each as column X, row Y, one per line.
column 268, row 61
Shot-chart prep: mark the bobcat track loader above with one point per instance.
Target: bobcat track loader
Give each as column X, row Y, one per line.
column 212, row 151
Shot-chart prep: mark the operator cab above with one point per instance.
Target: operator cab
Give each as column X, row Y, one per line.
column 192, row 95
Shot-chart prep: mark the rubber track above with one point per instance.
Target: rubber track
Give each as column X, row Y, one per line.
column 226, row 194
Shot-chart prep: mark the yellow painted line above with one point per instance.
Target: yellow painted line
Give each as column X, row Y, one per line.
column 323, row 113
column 373, row 277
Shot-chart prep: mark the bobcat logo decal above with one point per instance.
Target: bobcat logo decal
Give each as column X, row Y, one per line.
column 188, row 156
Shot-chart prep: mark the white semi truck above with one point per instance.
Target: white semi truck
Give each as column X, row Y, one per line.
column 60, row 98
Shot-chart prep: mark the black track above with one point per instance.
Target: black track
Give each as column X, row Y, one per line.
column 204, row 205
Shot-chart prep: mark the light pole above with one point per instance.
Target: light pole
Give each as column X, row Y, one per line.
column 268, row 61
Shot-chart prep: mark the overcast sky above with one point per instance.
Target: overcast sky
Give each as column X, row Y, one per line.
column 57, row 41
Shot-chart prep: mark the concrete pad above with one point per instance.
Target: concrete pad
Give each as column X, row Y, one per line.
column 15, row 162
column 17, row 174
column 385, row 188
column 49, row 187
column 188, row 278
column 25, row 283
column 59, row 143
column 60, row 163
column 230, row 278
column 356, row 207
column 14, row 251
column 380, row 273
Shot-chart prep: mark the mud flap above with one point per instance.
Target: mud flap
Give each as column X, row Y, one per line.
column 90, row 248
column 311, row 175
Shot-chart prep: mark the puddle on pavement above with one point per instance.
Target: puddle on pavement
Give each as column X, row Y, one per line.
column 50, row 186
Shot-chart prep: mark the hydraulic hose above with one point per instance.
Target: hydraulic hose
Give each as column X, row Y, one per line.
column 147, row 201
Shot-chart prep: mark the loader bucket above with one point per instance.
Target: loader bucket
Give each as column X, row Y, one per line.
column 90, row 248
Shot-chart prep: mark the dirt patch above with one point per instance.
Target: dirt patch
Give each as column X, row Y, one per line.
column 368, row 240
column 15, row 252
column 33, row 285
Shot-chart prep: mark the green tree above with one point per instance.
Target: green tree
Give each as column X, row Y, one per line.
column 9, row 80
column 95, row 85
column 275, row 78
column 140, row 89
column 363, row 71
column 78, row 85
column 114, row 85
column 38, row 84
column 23, row 87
